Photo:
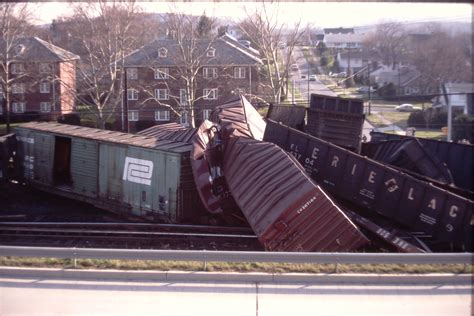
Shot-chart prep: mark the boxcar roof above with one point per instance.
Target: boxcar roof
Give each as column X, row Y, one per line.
column 109, row 136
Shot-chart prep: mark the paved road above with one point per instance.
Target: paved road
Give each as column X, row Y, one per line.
column 303, row 84
column 38, row 296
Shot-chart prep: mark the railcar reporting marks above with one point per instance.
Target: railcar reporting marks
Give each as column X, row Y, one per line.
column 138, row 170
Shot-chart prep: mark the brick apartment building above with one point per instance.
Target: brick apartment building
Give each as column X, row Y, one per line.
column 42, row 79
column 225, row 69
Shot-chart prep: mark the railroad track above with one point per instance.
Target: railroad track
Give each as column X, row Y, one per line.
column 128, row 235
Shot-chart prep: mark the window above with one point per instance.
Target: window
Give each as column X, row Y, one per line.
column 239, row 72
column 162, row 52
column 206, row 113
column 211, row 52
column 132, row 94
column 210, row 94
column 183, row 97
column 17, row 68
column 162, row 115
column 18, row 107
column 184, row 118
column 132, row 116
column 209, row 72
column 162, row 73
column 45, row 106
column 44, row 67
column 162, row 94
column 18, row 88
column 407, row 90
column 132, row 73
column 44, row 87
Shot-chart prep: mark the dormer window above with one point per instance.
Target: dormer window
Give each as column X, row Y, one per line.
column 211, row 52
column 162, row 52
column 19, row 49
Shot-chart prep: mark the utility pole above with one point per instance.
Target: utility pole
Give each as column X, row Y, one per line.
column 368, row 83
column 450, row 118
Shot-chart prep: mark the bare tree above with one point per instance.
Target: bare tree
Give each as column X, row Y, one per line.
column 441, row 57
column 103, row 33
column 15, row 21
column 267, row 33
column 388, row 42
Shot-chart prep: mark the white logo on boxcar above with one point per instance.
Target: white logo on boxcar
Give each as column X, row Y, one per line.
column 138, row 170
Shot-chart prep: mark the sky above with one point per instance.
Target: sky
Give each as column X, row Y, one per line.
column 318, row 14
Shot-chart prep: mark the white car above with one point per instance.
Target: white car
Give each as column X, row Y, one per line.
column 312, row 78
column 294, row 67
column 407, row 107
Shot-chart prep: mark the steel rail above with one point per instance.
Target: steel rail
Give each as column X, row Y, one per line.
column 239, row 256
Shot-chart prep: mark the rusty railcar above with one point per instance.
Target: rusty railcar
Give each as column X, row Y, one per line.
column 293, row 116
column 137, row 176
column 414, row 204
column 170, row 131
column 236, row 118
column 457, row 157
column 336, row 120
column 285, row 208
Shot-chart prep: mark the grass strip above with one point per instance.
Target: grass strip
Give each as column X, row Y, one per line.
column 233, row 267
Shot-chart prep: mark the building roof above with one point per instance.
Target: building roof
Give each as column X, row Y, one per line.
column 344, row 38
column 226, row 53
column 35, row 49
column 462, row 87
column 339, row 30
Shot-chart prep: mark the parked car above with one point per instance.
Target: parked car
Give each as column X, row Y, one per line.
column 312, row 78
column 407, row 107
column 365, row 89
column 294, row 67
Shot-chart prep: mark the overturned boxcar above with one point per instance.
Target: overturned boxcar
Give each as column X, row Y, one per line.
column 133, row 175
column 285, row 208
column 414, row 204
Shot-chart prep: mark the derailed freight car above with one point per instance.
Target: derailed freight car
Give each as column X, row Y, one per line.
column 284, row 207
column 129, row 174
column 414, row 204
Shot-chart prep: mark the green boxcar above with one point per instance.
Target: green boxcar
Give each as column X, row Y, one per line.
column 128, row 174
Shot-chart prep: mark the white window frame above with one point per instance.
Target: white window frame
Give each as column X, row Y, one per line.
column 45, row 107
column 162, row 115
column 240, row 72
column 18, row 88
column 183, row 96
column 183, row 120
column 162, row 52
column 17, row 68
column 211, row 52
column 132, row 73
column 133, row 115
column 132, row 94
column 209, row 72
column 45, row 68
column 206, row 114
column 162, row 73
column 210, row 94
column 162, row 94
column 15, row 106
column 45, row 87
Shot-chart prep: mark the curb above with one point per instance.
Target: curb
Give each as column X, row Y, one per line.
column 198, row 276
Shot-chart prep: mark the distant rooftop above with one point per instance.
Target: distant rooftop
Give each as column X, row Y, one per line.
column 34, row 48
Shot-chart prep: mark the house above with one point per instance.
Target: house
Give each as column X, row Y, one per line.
column 156, row 86
column 344, row 40
column 404, row 78
column 356, row 59
column 42, row 79
column 458, row 95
